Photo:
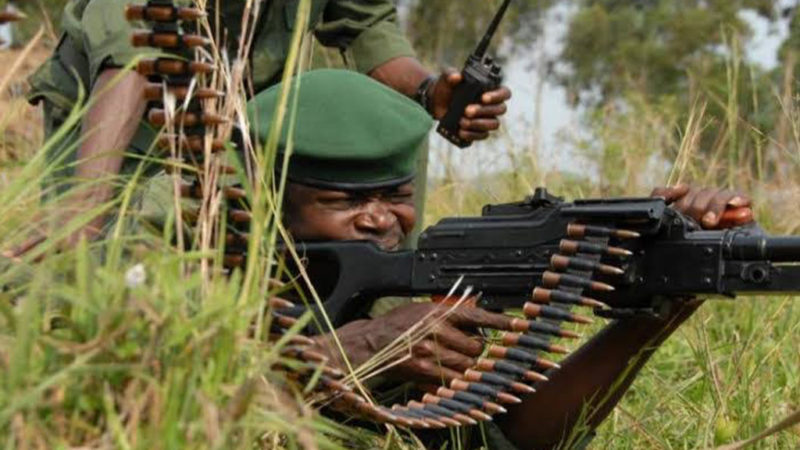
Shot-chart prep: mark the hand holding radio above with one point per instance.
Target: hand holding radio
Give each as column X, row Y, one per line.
column 480, row 77
column 479, row 118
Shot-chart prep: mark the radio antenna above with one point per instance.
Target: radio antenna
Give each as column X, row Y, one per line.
column 487, row 38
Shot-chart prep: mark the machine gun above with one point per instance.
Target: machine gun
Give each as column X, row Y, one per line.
column 633, row 255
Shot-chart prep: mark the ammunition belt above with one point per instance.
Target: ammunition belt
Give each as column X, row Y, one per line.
column 512, row 365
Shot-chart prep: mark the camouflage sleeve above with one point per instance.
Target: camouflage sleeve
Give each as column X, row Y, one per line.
column 367, row 29
column 106, row 35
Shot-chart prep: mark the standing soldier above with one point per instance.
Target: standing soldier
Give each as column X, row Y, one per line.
column 96, row 45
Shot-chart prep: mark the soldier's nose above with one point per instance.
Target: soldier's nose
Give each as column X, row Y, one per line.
column 375, row 218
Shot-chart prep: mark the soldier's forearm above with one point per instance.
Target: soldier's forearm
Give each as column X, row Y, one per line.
column 108, row 127
column 590, row 383
column 403, row 74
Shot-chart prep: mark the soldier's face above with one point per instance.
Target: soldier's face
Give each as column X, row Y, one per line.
column 383, row 216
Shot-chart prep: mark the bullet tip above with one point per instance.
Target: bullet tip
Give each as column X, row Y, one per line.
column 592, row 303
column 570, row 334
column 598, row 286
column 547, row 364
column 582, row 319
column 627, row 234
column 495, row 408
column 619, row 252
column 616, row 270
column 536, row 376
column 450, row 422
column 480, row 415
column 524, row 388
column 466, row 419
column 559, row 349
column 508, row 398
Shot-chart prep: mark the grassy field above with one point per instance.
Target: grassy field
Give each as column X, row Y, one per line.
column 155, row 350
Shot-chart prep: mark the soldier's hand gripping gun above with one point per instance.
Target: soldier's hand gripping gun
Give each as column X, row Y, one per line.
column 633, row 255
column 480, row 75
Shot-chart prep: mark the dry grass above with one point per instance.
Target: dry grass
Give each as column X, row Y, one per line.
column 171, row 363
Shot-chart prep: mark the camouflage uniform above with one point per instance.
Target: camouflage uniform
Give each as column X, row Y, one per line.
column 96, row 36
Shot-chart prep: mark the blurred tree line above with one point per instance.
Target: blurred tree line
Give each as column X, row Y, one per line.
column 618, row 54
column 445, row 32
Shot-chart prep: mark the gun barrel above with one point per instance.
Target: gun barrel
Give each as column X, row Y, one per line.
column 770, row 248
column 487, row 38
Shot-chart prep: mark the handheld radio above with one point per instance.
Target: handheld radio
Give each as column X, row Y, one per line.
column 481, row 74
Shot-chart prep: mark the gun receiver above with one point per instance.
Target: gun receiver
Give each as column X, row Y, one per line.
column 627, row 253
column 480, row 74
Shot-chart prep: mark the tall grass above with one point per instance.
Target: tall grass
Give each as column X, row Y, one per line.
column 130, row 342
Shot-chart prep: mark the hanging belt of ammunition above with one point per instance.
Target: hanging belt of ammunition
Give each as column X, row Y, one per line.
column 179, row 74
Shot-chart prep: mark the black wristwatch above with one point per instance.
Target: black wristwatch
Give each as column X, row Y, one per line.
column 423, row 95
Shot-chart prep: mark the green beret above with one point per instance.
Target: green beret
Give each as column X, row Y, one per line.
column 351, row 131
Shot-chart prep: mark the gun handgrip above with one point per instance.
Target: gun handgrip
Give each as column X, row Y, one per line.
column 735, row 217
